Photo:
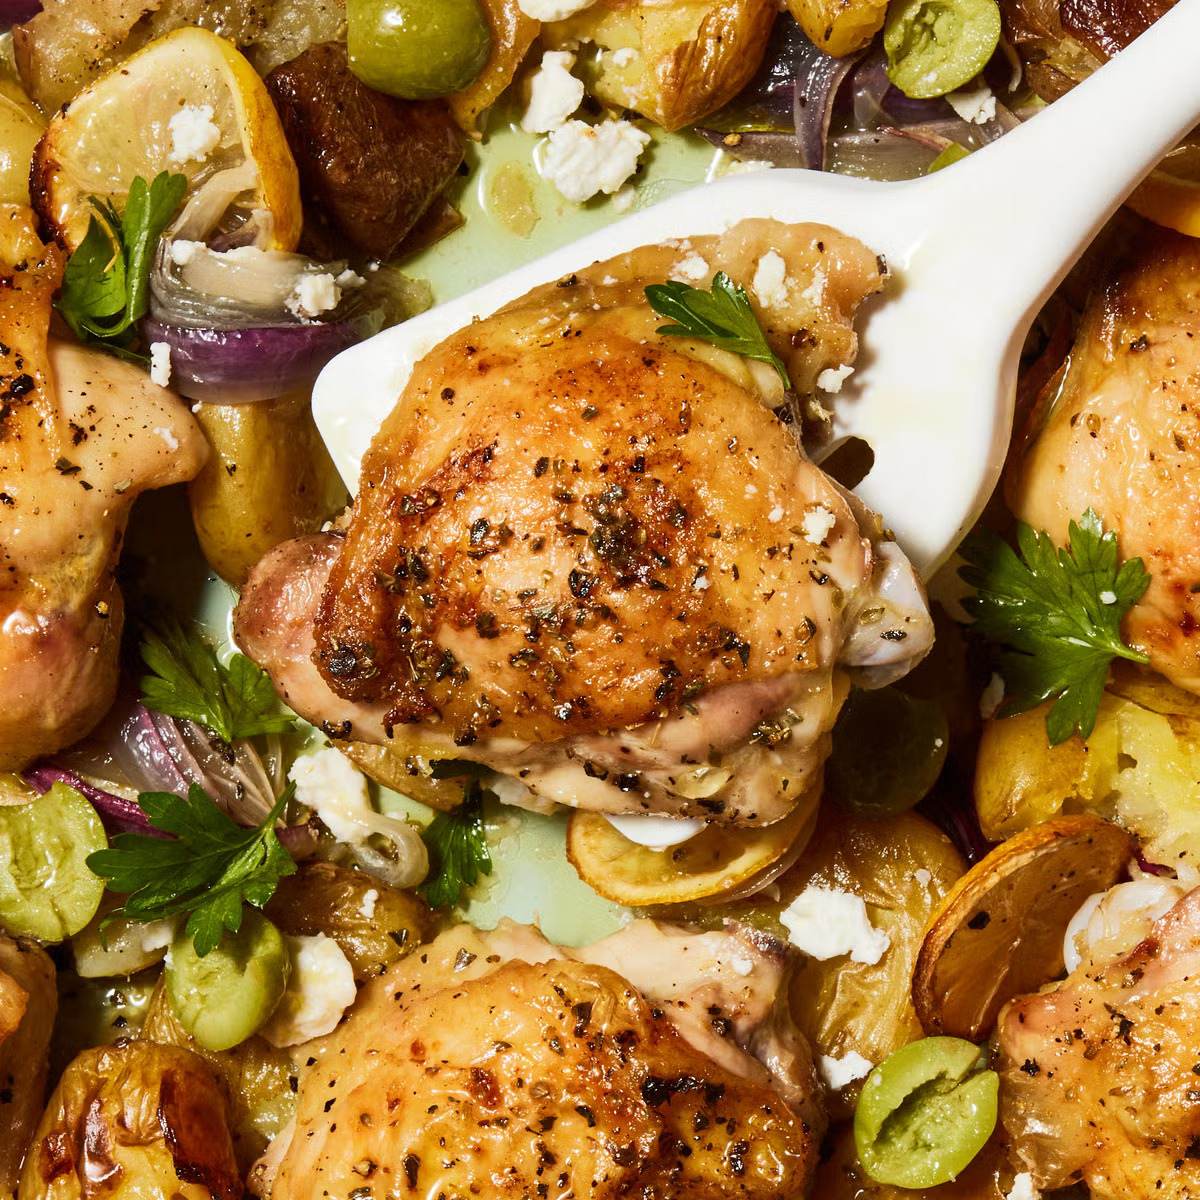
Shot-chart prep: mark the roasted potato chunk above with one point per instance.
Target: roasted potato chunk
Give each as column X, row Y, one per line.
column 839, row 27
column 512, row 35
column 689, row 58
column 142, row 1119
column 1138, row 769
column 375, row 925
column 405, row 769
column 259, row 1079
column 269, row 479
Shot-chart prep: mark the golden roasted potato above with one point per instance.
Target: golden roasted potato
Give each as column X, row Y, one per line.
column 839, row 27
column 999, row 933
column 21, row 127
column 718, row 864
column 1139, row 768
column 902, row 867
column 269, row 479
column 512, row 35
column 259, row 1079
column 401, row 766
column 689, row 57
column 134, row 1119
column 375, row 925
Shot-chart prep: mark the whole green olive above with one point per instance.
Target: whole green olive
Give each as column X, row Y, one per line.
column 417, row 49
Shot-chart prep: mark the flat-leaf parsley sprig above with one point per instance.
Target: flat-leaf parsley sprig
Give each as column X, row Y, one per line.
column 208, row 869
column 458, row 850
column 1056, row 614
column 722, row 317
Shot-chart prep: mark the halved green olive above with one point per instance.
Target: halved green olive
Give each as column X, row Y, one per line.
column 417, row 49
column 935, row 46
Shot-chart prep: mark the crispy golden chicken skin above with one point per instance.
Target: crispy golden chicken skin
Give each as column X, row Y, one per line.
column 494, row 1065
column 1099, row 1074
column 591, row 557
column 1118, row 430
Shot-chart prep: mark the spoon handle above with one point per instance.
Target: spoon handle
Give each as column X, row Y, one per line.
column 1026, row 206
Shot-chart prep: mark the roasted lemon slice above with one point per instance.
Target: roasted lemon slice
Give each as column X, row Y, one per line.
column 718, row 864
column 188, row 103
column 1170, row 194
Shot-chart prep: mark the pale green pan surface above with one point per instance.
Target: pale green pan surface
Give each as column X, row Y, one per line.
column 531, row 880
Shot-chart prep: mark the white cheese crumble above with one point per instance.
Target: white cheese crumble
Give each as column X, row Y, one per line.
column 623, row 200
column 160, row 363
column 313, row 295
column 554, row 93
column 838, row 1072
column 923, row 877
column 183, row 251
column 831, row 379
column 1108, row 597
column 348, row 280
column 817, row 524
column 623, row 57
column 741, row 965
column 976, row 107
column 771, row 281
column 691, row 268
column 827, row 923
column 194, row 134
column 553, row 10
column 320, row 988
column 1022, row 1188
column 814, row 294
column 775, row 515
column 369, row 900
column 583, row 160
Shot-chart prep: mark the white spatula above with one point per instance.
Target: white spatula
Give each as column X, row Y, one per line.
column 975, row 250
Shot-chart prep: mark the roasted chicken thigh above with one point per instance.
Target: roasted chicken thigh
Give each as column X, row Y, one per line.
column 655, row 1063
column 592, row 557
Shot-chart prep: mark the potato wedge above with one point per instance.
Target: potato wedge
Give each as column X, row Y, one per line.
column 839, row 27
column 999, row 932
column 902, row 866
column 404, row 769
column 512, row 35
column 689, row 57
column 718, row 864
column 152, row 1117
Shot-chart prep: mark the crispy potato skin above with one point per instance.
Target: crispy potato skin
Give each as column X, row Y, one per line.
column 147, row 1119
column 268, row 479
column 839, row 27
column 512, row 35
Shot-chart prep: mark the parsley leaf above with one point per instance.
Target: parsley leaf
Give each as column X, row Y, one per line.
column 723, row 317
column 208, row 870
column 106, row 284
column 1057, row 613
column 189, row 681
column 458, row 851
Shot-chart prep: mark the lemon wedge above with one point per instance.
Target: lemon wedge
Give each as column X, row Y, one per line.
column 188, row 103
column 1170, row 194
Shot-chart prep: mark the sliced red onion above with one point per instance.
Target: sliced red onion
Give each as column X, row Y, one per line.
column 818, row 79
column 118, row 813
column 778, row 149
column 954, row 814
column 1152, row 868
column 238, row 366
column 17, row 12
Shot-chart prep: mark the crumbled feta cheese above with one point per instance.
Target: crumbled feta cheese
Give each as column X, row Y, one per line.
column 583, row 160
column 608, row 280
column 775, row 515
column 827, row 923
column 194, row 134
column 701, row 583
column 1108, row 597
column 923, row 877
column 741, row 965
column 817, row 523
column 160, row 363
column 623, row 200
column 369, row 900
column 992, row 697
column 692, row 268
column 838, row 1072
column 554, row 93
column 553, row 10
column 831, row 379
column 182, row 251
column 1023, row 1189
column 623, row 57
column 976, row 107
column 814, row 294
column 320, row 988
column 314, row 294
column 348, row 280
column 771, row 284
column 168, row 436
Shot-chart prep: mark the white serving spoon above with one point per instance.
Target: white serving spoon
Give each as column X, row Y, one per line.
column 975, row 250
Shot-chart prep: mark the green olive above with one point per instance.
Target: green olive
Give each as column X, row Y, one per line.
column 925, row 1112
column 417, row 49
column 935, row 46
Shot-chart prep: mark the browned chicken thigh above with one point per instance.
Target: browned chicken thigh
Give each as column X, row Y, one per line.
column 592, row 557
column 82, row 434
column 1099, row 1074
column 1118, row 430
column 496, row 1064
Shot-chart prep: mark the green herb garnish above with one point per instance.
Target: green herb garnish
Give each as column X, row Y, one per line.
column 234, row 700
column 209, row 869
column 722, row 317
column 106, row 284
column 1057, row 614
column 458, row 850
